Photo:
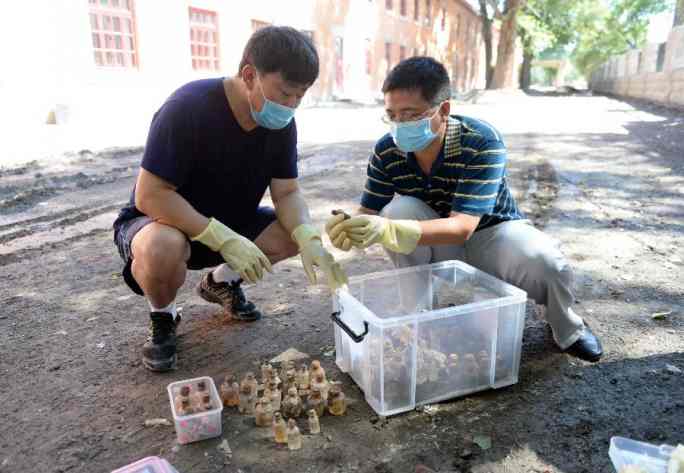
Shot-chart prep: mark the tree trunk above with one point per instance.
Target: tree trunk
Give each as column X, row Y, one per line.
column 505, row 60
column 526, row 71
column 679, row 13
column 487, row 37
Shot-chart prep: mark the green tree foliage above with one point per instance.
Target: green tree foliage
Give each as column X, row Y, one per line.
column 612, row 27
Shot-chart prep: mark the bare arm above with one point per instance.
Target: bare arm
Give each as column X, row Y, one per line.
column 289, row 203
column 159, row 200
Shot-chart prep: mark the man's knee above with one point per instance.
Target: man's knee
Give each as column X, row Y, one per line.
column 159, row 248
column 553, row 269
column 406, row 207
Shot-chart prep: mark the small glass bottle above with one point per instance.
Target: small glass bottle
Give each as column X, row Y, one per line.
column 279, row 428
column 206, row 403
column 316, row 402
column 292, row 405
column 264, row 413
column 470, row 366
column 198, row 396
column 315, row 370
column 184, row 409
column 183, row 395
column 452, row 365
column 291, row 381
column 303, row 381
column 266, row 373
column 247, row 400
column 276, row 396
column 314, row 424
column 230, row 392
column 337, row 404
column 250, row 381
column 294, row 437
column 322, row 385
column 286, row 368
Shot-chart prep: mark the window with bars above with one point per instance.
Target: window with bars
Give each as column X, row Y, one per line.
column 402, row 7
column 204, row 40
column 388, row 5
column 428, row 12
column 416, row 10
column 112, row 28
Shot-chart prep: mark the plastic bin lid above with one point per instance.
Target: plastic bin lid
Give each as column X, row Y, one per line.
column 148, row 465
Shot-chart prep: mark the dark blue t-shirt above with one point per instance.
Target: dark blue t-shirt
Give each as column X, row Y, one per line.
column 196, row 144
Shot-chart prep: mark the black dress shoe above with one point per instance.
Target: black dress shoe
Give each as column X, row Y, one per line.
column 587, row 347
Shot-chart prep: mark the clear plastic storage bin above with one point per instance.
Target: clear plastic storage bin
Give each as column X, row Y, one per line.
column 199, row 426
column 428, row 333
column 651, row 458
column 148, row 465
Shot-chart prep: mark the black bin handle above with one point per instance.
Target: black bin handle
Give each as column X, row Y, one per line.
column 357, row 338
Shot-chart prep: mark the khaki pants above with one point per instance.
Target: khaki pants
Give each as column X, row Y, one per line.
column 514, row 252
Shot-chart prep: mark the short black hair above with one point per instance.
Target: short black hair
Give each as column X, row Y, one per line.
column 282, row 49
column 420, row 73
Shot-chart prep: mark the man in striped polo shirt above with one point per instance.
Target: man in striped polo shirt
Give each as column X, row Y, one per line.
column 437, row 190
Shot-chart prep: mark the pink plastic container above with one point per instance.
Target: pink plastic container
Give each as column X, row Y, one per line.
column 148, row 465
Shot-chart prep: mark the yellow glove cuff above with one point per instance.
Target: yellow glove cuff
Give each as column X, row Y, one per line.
column 304, row 233
column 214, row 235
column 402, row 236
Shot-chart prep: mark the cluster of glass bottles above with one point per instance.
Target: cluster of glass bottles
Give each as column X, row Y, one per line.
column 283, row 396
column 193, row 401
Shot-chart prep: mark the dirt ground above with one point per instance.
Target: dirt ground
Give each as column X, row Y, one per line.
column 603, row 176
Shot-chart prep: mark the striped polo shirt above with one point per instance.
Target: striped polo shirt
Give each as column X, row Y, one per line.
column 468, row 176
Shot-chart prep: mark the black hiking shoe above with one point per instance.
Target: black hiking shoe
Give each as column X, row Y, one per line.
column 159, row 351
column 230, row 296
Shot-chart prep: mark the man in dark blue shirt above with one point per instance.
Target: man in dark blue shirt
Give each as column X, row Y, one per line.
column 438, row 182
column 213, row 149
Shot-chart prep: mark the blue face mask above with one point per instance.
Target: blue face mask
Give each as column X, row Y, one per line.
column 413, row 136
column 272, row 115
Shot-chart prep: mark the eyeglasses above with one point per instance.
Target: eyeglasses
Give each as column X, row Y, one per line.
column 407, row 117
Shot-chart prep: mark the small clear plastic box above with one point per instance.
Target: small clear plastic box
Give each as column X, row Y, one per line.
column 148, row 465
column 651, row 458
column 424, row 334
column 199, row 426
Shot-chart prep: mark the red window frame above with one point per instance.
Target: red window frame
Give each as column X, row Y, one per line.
column 113, row 33
column 204, row 39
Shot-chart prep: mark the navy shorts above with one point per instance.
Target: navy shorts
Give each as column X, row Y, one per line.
column 200, row 256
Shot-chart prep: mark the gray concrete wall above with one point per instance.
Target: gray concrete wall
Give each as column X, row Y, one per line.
column 635, row 73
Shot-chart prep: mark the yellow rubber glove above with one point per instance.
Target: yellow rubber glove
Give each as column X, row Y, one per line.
column 400, row 236
column 340, row 239
column 313, row 254
column 243, row 256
